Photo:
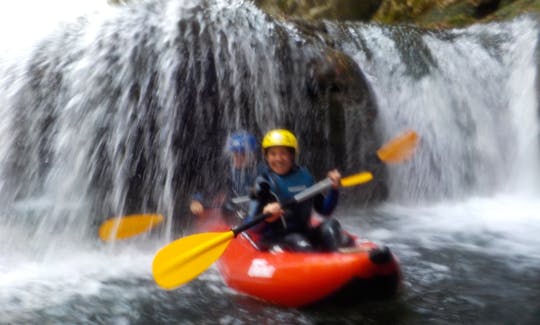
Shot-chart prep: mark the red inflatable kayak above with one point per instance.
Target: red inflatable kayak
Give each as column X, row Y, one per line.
column 294, row 279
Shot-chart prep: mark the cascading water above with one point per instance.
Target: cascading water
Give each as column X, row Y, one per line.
column 471, row 94
column 126, row 110
column 129, row 112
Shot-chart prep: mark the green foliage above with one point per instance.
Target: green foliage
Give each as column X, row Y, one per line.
column 321, row 9
column 425, row 13
column 403, row 11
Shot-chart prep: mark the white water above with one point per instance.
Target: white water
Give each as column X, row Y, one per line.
column 33, row 275
column 477, row 191
column 473, row 101
column 501, row 226
column 474, row 184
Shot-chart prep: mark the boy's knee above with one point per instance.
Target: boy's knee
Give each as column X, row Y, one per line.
column 331, row 234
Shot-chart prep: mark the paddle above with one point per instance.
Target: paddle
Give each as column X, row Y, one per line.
column 128, row 226
column 184, row 259
column 394, row 151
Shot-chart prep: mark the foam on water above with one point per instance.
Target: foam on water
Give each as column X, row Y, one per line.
column 33, row 285
column 502, row 226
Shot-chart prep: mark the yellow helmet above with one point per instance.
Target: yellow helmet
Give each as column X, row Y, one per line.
column 280, row 138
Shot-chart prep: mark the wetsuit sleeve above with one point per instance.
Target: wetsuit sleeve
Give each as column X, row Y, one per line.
column 325, row 205
column 206, row 197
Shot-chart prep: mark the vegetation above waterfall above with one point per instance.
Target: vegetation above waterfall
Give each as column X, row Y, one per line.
column 424, row 13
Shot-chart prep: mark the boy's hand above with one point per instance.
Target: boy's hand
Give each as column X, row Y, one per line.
column 196, row 207
column 274, row 209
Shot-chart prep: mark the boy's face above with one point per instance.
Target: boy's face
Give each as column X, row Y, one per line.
column 280, row 159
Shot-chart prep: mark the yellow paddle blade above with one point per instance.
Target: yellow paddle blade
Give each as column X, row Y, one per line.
column 399, row 149
column 128, row 226
column 356, row 179
column 184, row 259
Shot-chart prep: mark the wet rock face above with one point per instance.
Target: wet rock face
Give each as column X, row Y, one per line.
column 352, row 115
column 485, row 7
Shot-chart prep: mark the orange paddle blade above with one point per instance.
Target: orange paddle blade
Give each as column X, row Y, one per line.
column 184, row 259
column 128, row 226
column 399, row 148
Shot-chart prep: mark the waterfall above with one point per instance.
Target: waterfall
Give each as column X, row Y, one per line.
column 126, row 110
column 472, row 96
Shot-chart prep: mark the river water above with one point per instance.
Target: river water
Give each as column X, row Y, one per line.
column 462, row 214
column 469, row 262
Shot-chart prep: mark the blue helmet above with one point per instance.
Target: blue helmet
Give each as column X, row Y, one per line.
column 241, row 142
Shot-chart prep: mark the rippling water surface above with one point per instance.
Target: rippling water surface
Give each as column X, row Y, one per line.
column 472, row 262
